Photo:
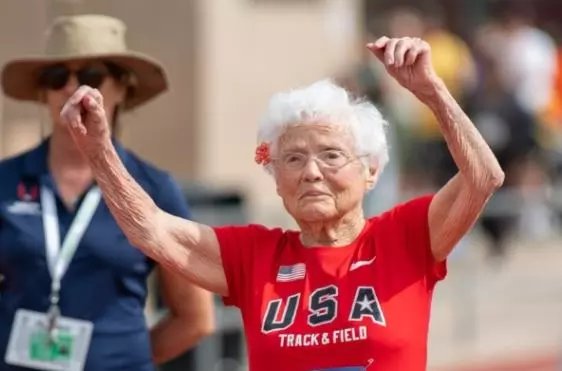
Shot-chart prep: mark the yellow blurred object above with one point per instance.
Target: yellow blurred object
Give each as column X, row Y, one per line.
column 453, row 62
column 552, row 116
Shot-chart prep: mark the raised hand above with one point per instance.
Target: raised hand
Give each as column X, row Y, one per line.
column 408, row 60
column 85, row 117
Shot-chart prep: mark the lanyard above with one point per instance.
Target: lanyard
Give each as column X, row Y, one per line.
column 59, row 257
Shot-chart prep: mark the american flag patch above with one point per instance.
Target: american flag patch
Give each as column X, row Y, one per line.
column 289, row 273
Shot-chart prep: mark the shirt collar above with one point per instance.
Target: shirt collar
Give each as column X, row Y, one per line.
column 35, row 162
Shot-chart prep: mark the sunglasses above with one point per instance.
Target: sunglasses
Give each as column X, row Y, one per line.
column 56, row 77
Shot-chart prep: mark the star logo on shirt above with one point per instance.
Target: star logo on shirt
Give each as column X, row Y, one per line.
column 366, row 304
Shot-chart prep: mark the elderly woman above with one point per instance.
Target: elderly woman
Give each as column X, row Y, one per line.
column 343, row 292
column 61, row 251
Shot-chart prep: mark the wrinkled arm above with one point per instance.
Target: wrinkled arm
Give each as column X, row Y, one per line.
column 185, row 247
column 458, row 204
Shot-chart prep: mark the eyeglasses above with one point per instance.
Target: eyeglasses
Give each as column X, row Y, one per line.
column 328, row 159
column 56, row 77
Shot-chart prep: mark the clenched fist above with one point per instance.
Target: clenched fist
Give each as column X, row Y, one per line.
column 85, row 117
column 408, row 60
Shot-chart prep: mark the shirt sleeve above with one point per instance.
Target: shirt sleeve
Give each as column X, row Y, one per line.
column 413, row 216
column 240, row 247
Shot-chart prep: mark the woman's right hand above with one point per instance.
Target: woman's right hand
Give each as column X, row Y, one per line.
column 85, row 117
column 183, row 246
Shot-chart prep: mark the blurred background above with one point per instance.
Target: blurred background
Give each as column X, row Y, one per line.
column 500, row 307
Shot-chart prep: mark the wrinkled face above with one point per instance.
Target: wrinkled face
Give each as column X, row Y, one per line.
column 60, row 81
column 318, row 174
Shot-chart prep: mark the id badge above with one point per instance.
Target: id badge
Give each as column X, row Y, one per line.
column 32, row 346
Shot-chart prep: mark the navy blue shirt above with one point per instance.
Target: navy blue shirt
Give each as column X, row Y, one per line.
column 106, row 280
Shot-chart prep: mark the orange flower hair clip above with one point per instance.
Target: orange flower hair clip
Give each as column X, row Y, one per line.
column 262, row 154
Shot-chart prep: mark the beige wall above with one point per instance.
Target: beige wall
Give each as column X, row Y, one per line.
column 224, row 58
column 167, row 33
column 249, row 52
column 20, row 122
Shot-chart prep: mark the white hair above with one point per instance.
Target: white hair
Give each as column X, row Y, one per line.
column 331, row 104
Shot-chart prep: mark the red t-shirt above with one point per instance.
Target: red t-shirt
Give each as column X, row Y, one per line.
column 364, row 306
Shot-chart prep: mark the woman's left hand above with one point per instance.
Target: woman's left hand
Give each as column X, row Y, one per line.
column 408, row 60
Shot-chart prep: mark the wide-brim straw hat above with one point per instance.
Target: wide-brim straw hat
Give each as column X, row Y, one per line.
column 85, row 38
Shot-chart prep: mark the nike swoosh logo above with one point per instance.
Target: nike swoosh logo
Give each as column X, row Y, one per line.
column 361, row 263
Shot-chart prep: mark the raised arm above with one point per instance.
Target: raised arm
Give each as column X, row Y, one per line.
column 458, row 204
column 188, row 248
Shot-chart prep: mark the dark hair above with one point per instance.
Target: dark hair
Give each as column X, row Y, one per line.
column 117, row 72
column 115, row 126
column 122, row 75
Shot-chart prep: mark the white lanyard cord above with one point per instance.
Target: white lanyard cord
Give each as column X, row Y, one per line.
column 59, row 257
